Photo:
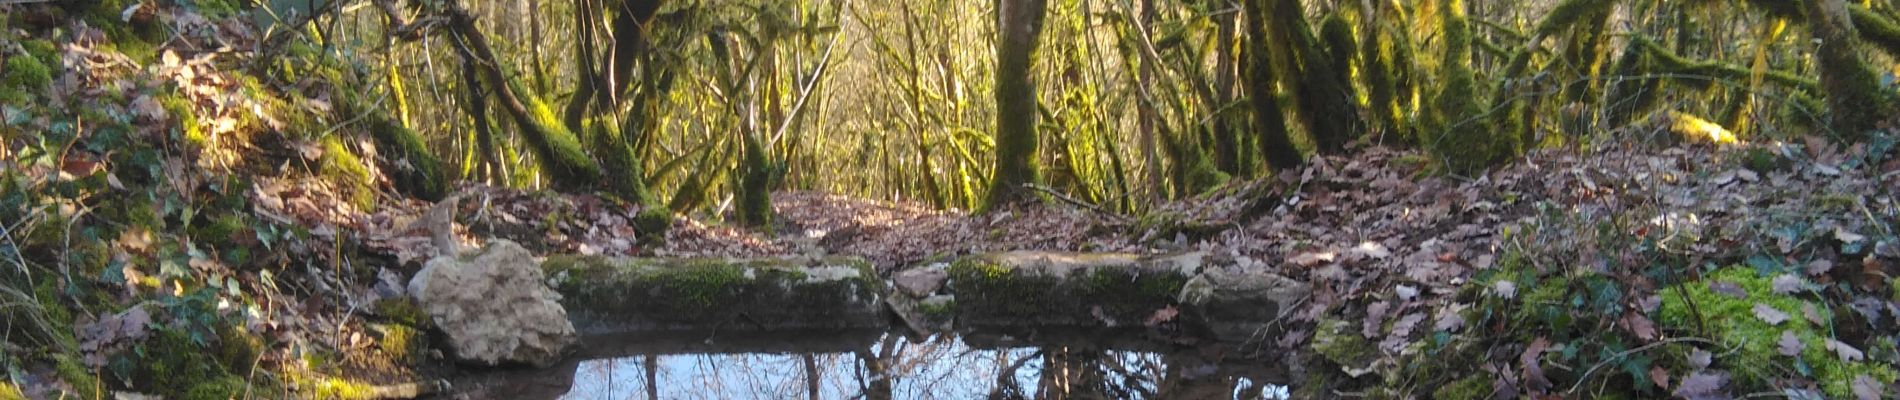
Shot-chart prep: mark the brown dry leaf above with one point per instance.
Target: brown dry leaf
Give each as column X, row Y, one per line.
column 1534, row 378
column 1639, row 325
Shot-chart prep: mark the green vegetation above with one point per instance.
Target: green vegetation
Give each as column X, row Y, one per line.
column 1734, row 323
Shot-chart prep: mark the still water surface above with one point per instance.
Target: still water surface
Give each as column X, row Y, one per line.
column 879, row 365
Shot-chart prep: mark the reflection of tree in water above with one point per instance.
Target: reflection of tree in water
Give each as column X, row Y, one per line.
column 891, row 367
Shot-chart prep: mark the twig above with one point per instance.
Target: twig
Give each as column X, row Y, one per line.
column 1077, row 203
column 1620, row 355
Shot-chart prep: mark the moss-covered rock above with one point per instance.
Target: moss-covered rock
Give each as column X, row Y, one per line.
column 237, row 348
column 25, row 76
column 402, row 343
column 1342, row 345
column 1021, row 289
column 84, row 382
column 342, row 167
column 402, row 310
column 1473, row 387
column 171, row 364
column 621, row 294
column 1756, row 359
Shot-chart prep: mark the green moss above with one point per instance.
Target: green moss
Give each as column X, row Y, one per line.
column 651, row 224
column 187, row 120
column 345, row 169
column 1339, row 343
column 1470, row 388
column 412, row 167
column 223, row 388
column 10, row 392
column 694, row 292
column 215, row 9
column 402, row 343
column 937, row 310
column 171, row 364
column 992, row 293
column 85, row 384
column 42, row 49
column 1761, row 159
column 238, row 348
column 1756, row 359
column 316, row 386
column 24, row 76
column 403, row 310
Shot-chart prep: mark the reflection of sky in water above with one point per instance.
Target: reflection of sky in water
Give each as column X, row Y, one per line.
column 935, row 369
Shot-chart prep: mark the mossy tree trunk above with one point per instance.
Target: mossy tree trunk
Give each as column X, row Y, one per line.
column 1019, row 24
column 1269, row 119
column 1327, row 108
column 1461, row 135
column 557, row 149
column 1856, row 102
column 415, row 170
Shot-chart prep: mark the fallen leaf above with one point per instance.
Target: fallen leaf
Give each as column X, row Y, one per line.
column 1533, row 368
column 1847, row 352
column 1728, row 289
column 1787, row 283
column 1769, row 314
column 1660, row 376
column 1867, row 388
column 1699, row 359
column 1818, row 267
column 1790, row 344
column 1846, row 236
column 1504, row 289
column 1312, row 259
column 1812, row 314
column 1640, row 326
column 1703, row 386
column 1372, row 249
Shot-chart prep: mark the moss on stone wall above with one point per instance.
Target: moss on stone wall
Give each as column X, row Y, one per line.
column 715, row 292
column 1095, row 292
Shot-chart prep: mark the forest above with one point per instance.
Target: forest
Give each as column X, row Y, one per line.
column 1440, row 199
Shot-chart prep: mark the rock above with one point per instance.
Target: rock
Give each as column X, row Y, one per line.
column 1037, row 289
column 921, row 282
column 1238, row 303
column 621, row 295
column 494, row 307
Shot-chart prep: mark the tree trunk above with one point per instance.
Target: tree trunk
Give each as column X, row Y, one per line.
column 1019, row 23
column 1269, row 120
column 1855, row 100
column 558, row 150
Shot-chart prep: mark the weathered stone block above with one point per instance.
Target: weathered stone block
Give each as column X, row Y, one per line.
column 641, row 294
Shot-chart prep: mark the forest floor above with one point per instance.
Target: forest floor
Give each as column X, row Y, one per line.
column 231, row 262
